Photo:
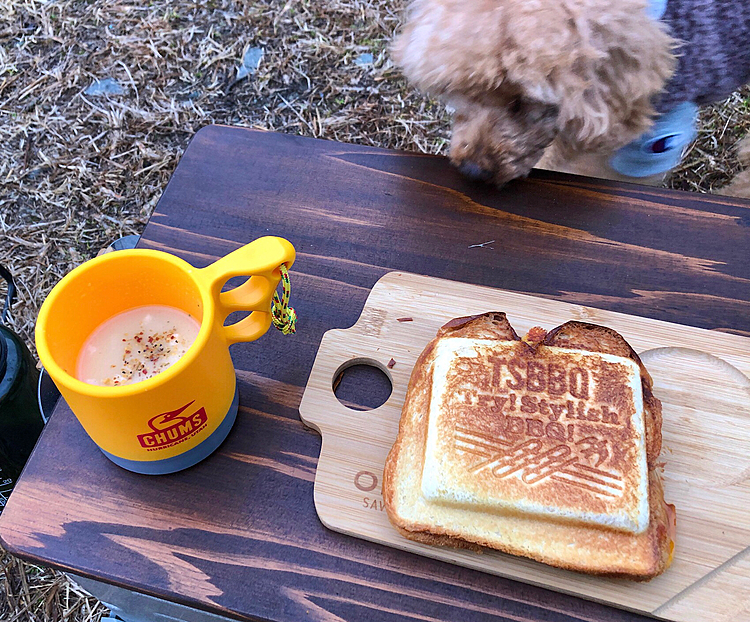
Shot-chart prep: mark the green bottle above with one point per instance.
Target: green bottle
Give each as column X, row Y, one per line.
column 21, row 421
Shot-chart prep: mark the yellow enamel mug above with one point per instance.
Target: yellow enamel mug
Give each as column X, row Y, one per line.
column 178, row 417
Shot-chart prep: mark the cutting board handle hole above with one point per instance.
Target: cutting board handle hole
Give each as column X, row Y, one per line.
column 362, row 384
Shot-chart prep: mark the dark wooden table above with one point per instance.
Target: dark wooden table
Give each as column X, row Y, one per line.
column 238, row 534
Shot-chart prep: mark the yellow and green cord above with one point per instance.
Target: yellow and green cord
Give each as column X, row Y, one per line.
column 283, row 316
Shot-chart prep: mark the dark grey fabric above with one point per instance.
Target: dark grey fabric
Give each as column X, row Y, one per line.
column 714, row 59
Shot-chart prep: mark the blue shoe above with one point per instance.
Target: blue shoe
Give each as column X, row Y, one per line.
column 661, row 148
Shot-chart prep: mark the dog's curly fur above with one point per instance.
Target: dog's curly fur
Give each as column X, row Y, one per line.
column 740, row 186
column 522, row 75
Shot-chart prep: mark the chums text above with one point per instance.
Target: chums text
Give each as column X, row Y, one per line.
column 179, row 428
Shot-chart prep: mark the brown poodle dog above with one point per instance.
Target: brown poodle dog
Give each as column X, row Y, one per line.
column 527, row 78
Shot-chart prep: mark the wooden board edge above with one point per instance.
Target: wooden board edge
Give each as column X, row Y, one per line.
column 686, row 606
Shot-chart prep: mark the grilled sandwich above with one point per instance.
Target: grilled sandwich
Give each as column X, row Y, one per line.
column 543, row 447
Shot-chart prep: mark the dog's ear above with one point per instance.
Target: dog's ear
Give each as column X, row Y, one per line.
column 445, row 47
column 601, row 62
column 619, row 62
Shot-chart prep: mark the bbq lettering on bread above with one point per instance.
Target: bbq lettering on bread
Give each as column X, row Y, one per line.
column 543, row 447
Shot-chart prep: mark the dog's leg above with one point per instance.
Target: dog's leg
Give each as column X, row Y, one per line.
column 740, row 185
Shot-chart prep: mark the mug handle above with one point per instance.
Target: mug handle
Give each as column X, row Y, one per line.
column 261, row 259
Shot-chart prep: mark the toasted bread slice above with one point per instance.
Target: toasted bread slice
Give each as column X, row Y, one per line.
column 543, row 447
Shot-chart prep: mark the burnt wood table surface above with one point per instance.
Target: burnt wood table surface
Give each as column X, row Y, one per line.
column 238, row 534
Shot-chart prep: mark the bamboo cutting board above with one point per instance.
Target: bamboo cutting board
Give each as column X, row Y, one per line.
column 701, row 377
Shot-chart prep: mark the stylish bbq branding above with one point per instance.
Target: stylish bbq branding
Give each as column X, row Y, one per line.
column 515, row 426
column 562, row 412
column 594, row 393
column 173, row 427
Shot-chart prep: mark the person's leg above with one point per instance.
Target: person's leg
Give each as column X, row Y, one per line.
column 645, row 161
column 661, row 148
column 593, row 165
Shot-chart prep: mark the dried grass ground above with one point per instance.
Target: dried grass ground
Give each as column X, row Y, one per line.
column 80, row 170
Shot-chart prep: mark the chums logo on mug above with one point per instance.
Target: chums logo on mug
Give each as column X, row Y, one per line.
column 173, row 427
column 194, row 391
